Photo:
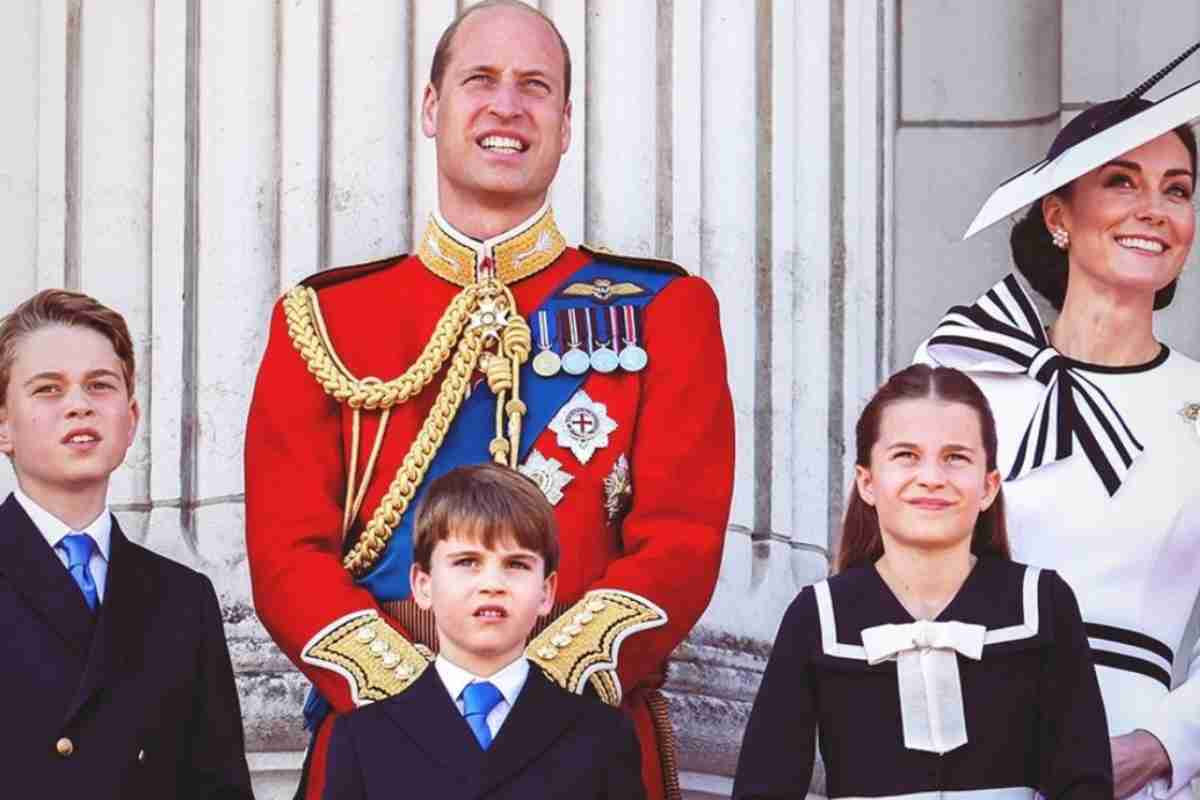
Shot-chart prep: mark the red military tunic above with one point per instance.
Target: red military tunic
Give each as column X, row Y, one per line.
column 674, row 428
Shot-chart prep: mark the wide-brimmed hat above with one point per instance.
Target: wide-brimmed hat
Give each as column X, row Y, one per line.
column 1096, row 136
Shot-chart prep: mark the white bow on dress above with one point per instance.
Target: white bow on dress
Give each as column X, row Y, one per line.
column 925, row 652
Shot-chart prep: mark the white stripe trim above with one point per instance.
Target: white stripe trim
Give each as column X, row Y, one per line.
column 1133, row 651
column 1028, row 628
column 829, row 642
column 1005, row 793
column 1013, row 633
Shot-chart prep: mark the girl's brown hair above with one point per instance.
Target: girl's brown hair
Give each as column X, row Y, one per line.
column 861, row 541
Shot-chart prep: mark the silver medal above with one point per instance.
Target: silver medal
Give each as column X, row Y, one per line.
column 633, row 358
column 604, row 359
column 575, row 362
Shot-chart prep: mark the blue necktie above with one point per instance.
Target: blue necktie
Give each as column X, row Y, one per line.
column 478, row 701
column 79, row 548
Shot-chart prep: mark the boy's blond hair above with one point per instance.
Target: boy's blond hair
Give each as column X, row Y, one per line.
column 61, row 307
column 488, row 502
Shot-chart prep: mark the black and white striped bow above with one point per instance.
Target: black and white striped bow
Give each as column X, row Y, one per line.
column 1002, row 332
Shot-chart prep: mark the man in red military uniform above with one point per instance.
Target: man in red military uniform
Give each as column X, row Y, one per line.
column 600, row 377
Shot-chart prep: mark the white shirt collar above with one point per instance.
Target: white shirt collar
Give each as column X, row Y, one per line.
column 484, row 248
column 509, row 680
column 54, row 529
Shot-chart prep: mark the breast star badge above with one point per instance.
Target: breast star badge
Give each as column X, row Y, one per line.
column 548, row 474
column 583, row 426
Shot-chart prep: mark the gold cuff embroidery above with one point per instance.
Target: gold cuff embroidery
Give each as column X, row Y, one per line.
column 582, row 645
column 528, row 250
column 371, row 655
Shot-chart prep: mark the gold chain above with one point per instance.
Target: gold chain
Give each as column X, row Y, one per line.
column 509, row 336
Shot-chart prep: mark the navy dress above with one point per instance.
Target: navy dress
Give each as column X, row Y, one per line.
column 1033, row 716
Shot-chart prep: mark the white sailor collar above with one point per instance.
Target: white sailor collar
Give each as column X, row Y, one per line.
column 1005, row 597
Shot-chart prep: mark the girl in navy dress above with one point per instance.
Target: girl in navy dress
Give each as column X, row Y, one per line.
column 930, row 663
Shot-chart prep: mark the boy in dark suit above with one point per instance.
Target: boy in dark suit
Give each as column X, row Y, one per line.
column 478, row 722
column 117, row 681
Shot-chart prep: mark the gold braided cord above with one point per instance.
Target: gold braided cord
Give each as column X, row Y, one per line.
column 481, row 325
column 306, row 327
column 354, row 507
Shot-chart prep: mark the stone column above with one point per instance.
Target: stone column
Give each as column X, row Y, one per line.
column 979, row 100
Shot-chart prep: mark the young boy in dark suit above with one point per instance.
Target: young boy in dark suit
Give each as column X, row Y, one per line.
column 478, row 722
column 117, row 681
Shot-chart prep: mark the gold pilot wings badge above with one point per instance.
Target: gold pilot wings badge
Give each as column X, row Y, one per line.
column 603, row 290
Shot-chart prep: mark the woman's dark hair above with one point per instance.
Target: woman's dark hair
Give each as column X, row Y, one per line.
column 861, row 541
column 1045, row 266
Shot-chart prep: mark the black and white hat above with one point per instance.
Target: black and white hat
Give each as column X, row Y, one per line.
column 1095, row 137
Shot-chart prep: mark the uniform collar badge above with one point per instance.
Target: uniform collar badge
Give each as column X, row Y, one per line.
column 583, row 426
column 515, row 254
column 548, row 474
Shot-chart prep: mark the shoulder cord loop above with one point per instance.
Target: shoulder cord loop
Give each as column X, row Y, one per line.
column 499, row 349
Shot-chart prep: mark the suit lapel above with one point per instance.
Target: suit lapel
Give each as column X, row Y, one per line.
column 432, row 720
column 31, row 566
column 534, row 724
column 129, row 597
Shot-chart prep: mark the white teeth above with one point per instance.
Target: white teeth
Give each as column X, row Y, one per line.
column 81, row 438
column 1135, row 243
column 490, row 613
column 502, row 143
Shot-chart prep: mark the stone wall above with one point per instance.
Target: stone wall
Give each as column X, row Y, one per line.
column 186, row 160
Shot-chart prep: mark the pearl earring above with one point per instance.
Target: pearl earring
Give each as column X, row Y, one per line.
column 1061, row 239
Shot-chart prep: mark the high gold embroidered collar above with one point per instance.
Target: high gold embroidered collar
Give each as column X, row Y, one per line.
column 515, row 254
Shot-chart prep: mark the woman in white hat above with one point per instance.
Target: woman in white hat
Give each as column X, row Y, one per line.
column 1098, row 420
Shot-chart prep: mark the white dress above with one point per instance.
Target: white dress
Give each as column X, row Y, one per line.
column 1133, row 558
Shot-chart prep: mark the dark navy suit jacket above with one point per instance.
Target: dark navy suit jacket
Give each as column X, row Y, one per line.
column 553, row 744
column 137, row 700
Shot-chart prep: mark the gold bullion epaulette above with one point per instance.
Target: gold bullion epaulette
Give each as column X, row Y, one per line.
column 336, row 275
column 581, row 645
column 603, row 253
column 369, row 653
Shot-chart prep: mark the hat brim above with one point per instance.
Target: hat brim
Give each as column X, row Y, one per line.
column 1038, row 180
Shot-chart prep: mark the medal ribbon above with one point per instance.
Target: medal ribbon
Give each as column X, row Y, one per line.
column 587, row 318
column 631, row 324
column 573, row 328
column 543, row 320
column 1002, row 332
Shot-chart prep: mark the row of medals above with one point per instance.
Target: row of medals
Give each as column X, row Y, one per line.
column 599, row 356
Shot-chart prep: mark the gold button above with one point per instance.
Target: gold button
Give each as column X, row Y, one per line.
column 64, row 746
column 141, row 756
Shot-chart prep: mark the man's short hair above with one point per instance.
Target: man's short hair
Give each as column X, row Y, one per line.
column 61, row 307
column 441, row 54
column 488, row 503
